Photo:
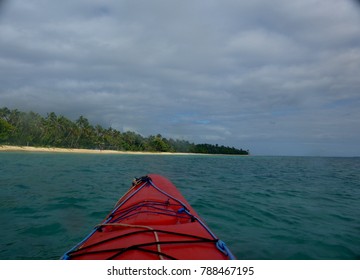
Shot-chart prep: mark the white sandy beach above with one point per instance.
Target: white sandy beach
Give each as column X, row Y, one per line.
column 7, row 148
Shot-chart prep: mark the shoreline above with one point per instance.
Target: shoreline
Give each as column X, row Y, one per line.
column 9, row 148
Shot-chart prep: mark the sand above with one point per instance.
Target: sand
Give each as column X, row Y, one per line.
column 7, row 148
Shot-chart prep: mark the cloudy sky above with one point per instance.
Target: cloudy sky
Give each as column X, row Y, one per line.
column 276, row 77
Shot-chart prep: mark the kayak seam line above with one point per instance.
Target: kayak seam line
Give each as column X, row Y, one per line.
column 122, row 203
column 168, row 195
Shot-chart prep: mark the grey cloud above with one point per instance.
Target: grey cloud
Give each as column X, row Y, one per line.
column 251, row 74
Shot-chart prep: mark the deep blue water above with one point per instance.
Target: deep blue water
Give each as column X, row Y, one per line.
column 262, row 207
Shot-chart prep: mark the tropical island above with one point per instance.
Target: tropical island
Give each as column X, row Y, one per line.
column 31, row 129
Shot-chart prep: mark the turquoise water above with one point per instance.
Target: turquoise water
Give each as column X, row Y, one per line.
column 262, row 207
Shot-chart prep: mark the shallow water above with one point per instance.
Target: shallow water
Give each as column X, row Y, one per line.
column 262, row 207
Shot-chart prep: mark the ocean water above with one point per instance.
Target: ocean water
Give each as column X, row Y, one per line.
column 262, row 207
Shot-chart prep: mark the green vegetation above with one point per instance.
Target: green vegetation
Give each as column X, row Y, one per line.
column 31, row 129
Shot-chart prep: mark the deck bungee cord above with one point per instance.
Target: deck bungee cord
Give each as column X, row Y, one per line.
column 115, row 223
column 121, row 250
column 127, row 213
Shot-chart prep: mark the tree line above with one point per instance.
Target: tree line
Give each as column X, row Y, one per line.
column 32, row 129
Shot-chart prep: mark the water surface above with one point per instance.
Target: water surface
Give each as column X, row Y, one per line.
column 262, row 207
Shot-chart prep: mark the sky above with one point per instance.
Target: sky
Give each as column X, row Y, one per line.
column 276, row 77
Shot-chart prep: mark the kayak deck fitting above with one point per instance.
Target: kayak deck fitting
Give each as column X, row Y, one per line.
column 151, row 221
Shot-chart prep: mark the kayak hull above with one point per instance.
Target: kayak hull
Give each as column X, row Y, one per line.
column 151, row 221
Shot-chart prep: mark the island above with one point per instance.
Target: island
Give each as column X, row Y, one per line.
column 21, row 129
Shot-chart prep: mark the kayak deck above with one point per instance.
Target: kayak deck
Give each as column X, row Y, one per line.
column 151, row 221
